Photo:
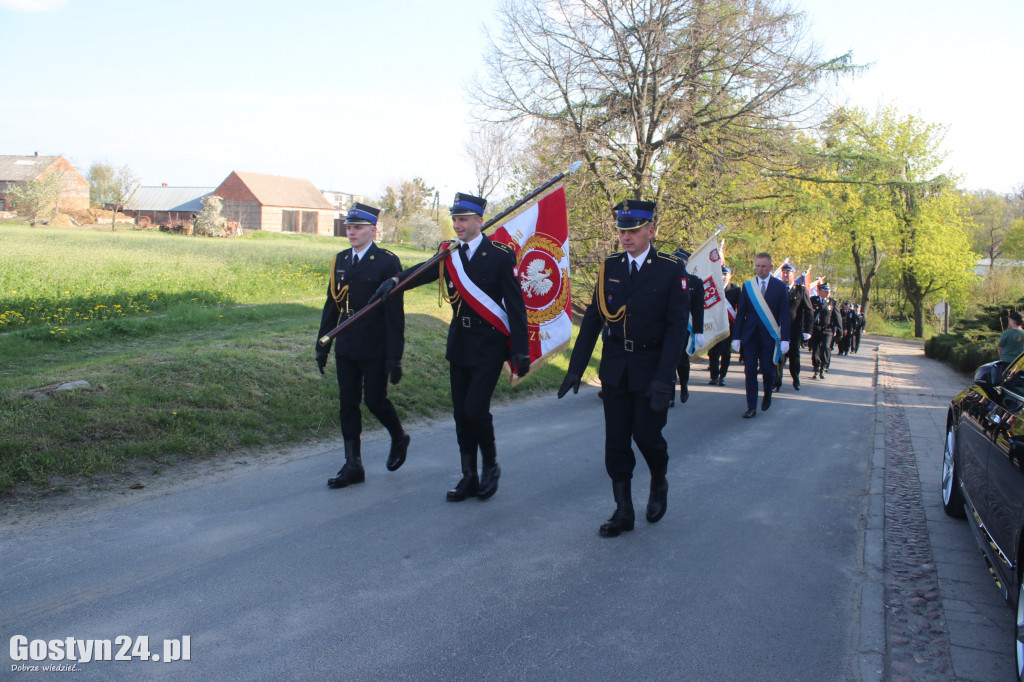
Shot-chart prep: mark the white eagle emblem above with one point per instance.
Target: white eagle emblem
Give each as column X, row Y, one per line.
column 537, row 280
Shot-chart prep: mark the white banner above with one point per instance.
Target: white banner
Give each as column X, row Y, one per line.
column 706, row 263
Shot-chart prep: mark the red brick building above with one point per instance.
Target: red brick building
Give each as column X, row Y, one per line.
column 275, row 204
column 20, row 169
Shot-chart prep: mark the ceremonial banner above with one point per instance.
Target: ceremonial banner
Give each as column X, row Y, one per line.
column 706, row 263
column 539, row 234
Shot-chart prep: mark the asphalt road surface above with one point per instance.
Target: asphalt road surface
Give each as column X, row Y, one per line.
column 753, row 574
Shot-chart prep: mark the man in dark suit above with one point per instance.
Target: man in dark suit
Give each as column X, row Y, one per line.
column 857, row 331
column 639, row 309
column 720, row 355
column 762, row 328
column 695, row 287
column 488, row 328
column 800, row 313
column 370, row 351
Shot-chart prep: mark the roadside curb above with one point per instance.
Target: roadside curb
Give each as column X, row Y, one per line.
column 871, row 645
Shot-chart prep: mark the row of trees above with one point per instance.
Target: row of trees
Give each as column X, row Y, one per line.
column 717, row 110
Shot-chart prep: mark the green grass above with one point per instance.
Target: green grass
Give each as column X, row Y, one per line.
column 194, row 347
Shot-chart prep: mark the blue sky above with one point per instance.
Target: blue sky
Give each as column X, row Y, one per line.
column 355, row 95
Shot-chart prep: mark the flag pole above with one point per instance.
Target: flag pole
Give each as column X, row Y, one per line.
column 441, row 255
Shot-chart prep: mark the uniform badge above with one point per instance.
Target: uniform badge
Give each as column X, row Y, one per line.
column 682, row 283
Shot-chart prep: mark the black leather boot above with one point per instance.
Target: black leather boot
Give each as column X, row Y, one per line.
column 352, row 472
column 657, row 502
column 470, row 484
column 623, row 517
column 399, row 448
column 490, row 473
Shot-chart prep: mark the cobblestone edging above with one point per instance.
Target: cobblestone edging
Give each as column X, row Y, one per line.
column 916, row 636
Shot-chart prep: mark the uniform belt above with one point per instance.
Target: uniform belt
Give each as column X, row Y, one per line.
column 630, row 345
column 471, row 322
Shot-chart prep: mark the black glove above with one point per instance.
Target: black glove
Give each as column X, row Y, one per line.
column 383, row 290
column 521, row 365
column 393, row 368
column 570, row 381
column 321, row 359
column 660, row 395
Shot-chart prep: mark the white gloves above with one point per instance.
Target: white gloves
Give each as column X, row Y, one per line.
column 698, row 339
column 807, row 337
column 785, row 347
column 735, row 346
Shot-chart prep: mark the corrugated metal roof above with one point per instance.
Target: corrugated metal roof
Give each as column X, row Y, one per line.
column 22, row 168
column 168, row 199
column 273, row 190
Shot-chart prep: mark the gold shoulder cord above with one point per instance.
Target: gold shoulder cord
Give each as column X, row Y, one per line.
column 602, row 304
column 338, row 296
column 442, row 290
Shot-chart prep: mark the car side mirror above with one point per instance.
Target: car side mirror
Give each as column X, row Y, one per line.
column 988, row 376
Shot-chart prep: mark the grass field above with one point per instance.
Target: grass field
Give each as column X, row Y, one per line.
column 193, row 347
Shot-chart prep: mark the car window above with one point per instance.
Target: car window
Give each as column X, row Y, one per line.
column 1013, row 381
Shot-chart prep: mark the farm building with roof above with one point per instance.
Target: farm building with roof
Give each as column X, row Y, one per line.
column 16, row 170
column 275, row 204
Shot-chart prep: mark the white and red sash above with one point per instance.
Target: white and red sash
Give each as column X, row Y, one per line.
column 485, row 306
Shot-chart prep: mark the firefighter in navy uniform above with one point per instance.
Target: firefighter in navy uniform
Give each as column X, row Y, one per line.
column 695, row 287
column 825, row 325
column 639, row 309
column 477, row 349
column 369, row 352
column 858, row 329
column 720, row 355
column 801, row 314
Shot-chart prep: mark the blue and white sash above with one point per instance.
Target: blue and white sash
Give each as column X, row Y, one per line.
column 762, row 310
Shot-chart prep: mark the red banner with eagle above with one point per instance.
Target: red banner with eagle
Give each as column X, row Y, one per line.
column 539, row 234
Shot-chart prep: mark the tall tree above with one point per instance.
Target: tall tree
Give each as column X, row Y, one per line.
column 102, row 179
column 124, row 186
column 401, row 202
column 993, row 215
column 492, row 151
column 662, row 99
column 37, row 200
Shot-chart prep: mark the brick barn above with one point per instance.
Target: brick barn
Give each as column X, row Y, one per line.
column 275, row 204
column 20, row 169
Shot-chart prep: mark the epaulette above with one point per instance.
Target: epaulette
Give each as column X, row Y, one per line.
column 386, row 252
column 669, row 257
column 445, row 245
column 614, row 256
column 503, row 246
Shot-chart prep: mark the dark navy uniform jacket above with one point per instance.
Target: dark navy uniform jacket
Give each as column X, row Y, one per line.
column 696, row 288
column 381, row 333
column 801, row 313
column 647, row 342
column 826, row 315
column 472, row 340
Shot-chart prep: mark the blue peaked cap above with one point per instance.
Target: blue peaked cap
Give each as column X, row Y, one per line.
column 633, row 213
column 467, row 204
column 361, row 214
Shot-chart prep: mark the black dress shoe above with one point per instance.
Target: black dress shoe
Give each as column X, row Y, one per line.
column 467, row 487
column 347, row 476
column 684, row 394
column 721, row 382
column 796, row 384
column 766, row 402
column 399, row 448
column 750, row 414
column 488, row 481
column 657, row 502
column 622, row 519
column 713, row 382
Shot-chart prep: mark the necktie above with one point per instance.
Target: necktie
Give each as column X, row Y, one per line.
column 764, row 285
column 355, row 259
column 633, row 269
column 464, row 254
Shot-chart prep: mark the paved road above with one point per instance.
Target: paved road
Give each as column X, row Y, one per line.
column 757, row 572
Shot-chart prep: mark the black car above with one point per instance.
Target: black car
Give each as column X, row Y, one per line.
column 983, row 475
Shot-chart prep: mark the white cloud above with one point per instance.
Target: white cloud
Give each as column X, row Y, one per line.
column 33, row 5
